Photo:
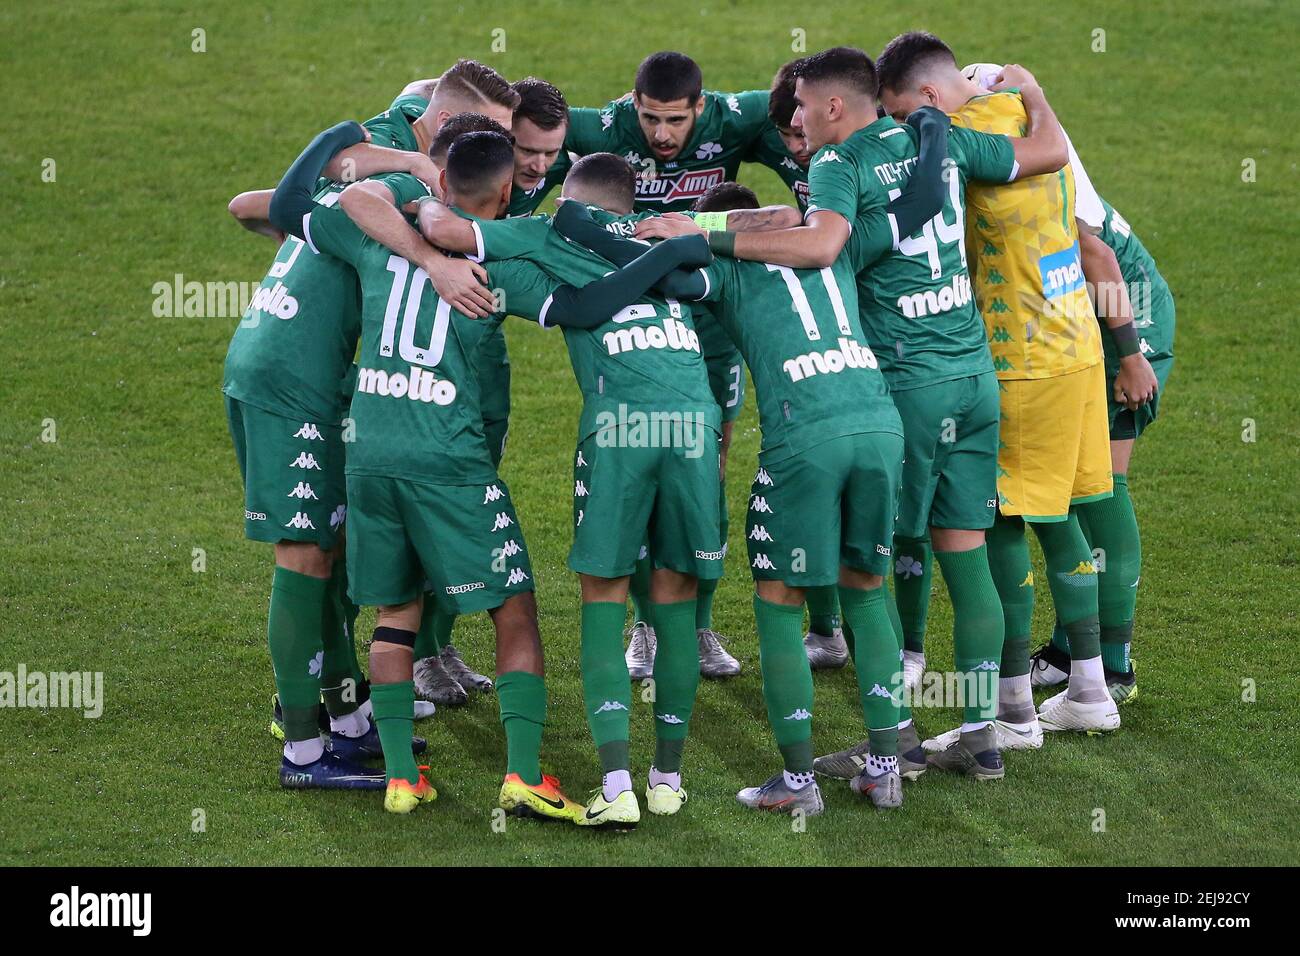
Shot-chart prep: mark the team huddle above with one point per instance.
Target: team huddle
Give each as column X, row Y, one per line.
column 950, row 336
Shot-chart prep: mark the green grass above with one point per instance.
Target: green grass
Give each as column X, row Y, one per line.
column 151, row 140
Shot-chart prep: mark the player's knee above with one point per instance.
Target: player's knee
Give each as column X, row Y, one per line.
column 304, row 557
column 778, row 592
column 670, row 587
column 861, row 580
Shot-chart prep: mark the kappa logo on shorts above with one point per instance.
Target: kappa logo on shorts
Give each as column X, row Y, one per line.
column 759, row 504
column 643, row 553
column 581, row 515
column 759, row 533
column 338, row 516
column 799, row 713
column 881, row 549
column 303, row 490
column 492, row 493
column 610, row 705
column 579, row 489
column 254, row 515
column 581, row 462
column 763, row 563
column 503, row 520
column 300, row 521
column 991, row 503
column 763, row 478
column 306, row 460
column 878, row 691
column 517, row 576
column 463, row 588
column 310, row 432
column 511, row 548
column 711, row 555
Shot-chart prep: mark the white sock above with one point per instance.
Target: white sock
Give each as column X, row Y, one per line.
column 1015, row 697
column 615, row 783
column 657, row 777
column 424, row 708
column 302, row 752
column 797, row 781
column 1087, row 681
column 878, row 765
column 904, row 724
column 974, row 726
column 353, row 725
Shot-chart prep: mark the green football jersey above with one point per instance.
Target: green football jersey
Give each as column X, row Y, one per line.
column 724, row 134
column 392, row 127
column 417, row 407
column 770, row 151
column 295, row 343
column 647, row 356
column 798, row 329
column 1153, row 312
column 916, row 302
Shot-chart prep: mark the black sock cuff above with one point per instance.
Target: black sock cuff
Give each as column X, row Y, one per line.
column 394, row 635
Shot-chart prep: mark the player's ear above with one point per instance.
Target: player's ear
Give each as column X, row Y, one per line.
column 931, row 93
column 699, row 105
column 442, row 183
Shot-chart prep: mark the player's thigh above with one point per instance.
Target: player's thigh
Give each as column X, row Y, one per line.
column 925, row 413
column 614, row 490
column 1092, row 472
column 868, row 502
column 471, row 548
column 966, row 491
column 383, row 566
column 792, row 523
column 294, row 487
column 684, row 530
column 1040, row 441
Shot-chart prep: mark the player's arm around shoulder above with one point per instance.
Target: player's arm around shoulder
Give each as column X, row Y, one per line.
column 1043, row 149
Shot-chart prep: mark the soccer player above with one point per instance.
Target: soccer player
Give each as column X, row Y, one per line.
column 919, row 319
column 1111, row 524
column 427, row 504
column 1043, row 335
column 680, row 139
column 540, row 126
column 783, row 148
column 645, row 471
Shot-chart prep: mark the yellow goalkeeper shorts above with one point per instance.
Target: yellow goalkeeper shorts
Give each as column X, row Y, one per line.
column 1055, row 444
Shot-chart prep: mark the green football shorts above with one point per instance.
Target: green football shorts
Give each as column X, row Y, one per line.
column 832, row 505
column 293, row 475
column 663, row 494
column 1157, row 338
column 950, row 455
column 464, row 541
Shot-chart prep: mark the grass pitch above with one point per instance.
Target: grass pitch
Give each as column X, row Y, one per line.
column 149, row 139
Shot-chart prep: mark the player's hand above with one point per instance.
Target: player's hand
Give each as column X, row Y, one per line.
column 423, row 169
column 1013, row 74
column 667, row 226
column 462, row 285
column 1136, row 382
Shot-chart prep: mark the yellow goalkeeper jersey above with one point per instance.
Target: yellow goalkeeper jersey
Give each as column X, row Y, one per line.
column 1023, row 248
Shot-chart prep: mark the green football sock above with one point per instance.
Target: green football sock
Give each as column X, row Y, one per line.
column 787, row 681
column 1060, row 640
column 1072, row 579
column 978, row 628
column 896, row 625
column 606, row 685
column 394, row 710
column 880, row 677
column 293, row 632
column 638, row 588
column 823, row 609
column 677, row 677
column 913, row 568
column 703, row 606
column 342, row 684
column 435, row 629
column 521, row 697
column 1008, row 554
column 1112, row 528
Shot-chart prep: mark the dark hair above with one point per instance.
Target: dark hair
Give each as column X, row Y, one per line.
column 605, row 175
column 541, row 103
column 474, row 80
column 780, row 102
column 726, row 196
column 669, row 76
column 459, row 125
column 906, row 56
column 845, row 65
column 477, row 162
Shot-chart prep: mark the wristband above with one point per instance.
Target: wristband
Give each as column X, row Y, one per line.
column 710, row 221
column 723, row 243
column 1126, row 339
